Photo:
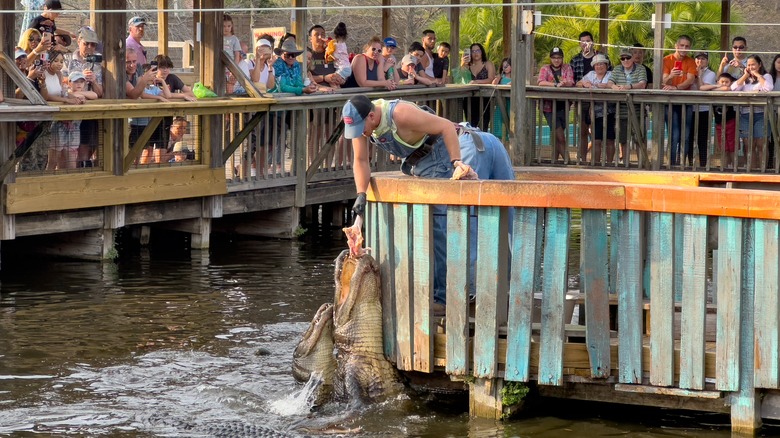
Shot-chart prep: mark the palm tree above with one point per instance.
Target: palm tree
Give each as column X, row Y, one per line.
column 629, row 24
column 477, row 25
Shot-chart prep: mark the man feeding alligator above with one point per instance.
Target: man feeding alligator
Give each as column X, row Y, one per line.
column 431, row 147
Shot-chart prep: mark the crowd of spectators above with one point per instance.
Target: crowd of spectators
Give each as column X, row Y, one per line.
column 688, row 125
column 45, row 56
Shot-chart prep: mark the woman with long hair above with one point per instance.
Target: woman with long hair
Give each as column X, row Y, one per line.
column 366, row 67
column 482, row 72
column 755, row 78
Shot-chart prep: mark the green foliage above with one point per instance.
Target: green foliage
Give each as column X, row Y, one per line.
column 112, row 254
column 629, row 23
column 300, row 231
column 513, row 393
column 477, row 25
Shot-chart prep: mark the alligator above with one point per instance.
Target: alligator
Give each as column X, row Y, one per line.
column 313, row 356
column 362, row 374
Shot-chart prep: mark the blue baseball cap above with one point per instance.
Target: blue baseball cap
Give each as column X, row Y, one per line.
column 391, row 42
column 354, row 115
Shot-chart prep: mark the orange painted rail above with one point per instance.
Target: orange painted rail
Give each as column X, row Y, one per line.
column 756, row 204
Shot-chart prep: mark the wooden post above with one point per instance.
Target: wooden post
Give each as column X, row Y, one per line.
column 746, row 403
column 162, row 27
column 485, row 398
column 725, row 27
column 113, row 218
column 386, row 23
column 522, row 110
column 196, row 40
column 212, row 75
column 454, row 16
column 107, row 27
column 7, row 129
column 298, row 22
column 658, row 109
column 507, row 19
column 603, row 24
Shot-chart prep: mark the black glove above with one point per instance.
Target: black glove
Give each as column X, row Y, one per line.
column 359, row 207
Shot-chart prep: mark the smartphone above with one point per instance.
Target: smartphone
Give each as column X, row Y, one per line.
column 153, row 65
column 730, row 57
column 44, row 56
column 467, row 53
column 678, row 65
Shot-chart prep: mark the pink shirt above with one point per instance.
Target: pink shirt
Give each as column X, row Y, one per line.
column 566, row 80
column 140, row 50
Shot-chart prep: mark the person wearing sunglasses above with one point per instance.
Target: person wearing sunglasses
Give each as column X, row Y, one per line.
column 287, row 71
column 626, row 76
column 367, row 66
column 86, row 61
column 734, row 63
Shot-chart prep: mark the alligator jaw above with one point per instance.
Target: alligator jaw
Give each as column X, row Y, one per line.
column 319, row 335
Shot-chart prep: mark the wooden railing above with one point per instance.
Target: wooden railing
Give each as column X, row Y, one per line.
column 688, row 323
column 647, row 135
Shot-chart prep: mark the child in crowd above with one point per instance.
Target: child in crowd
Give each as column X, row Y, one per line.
column 230, row 42
column 441, row 63
column 729, row 119
column 158, row 89
column 337, row 52
column 505, row 78
column 77, row 84
column 65, row 134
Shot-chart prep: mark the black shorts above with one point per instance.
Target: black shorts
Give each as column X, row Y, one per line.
column 560, row 118
column 89, row 133
column 598, row 127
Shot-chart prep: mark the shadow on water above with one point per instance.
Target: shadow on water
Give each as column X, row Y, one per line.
column 169, row 342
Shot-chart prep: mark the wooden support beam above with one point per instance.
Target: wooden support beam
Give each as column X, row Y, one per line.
column 485, row 398
column 162, row 27
column 141, row 142
column 245, row 82
column 106, row 26
column 196, row 43
column 242, row 135
column 325, row 150
column 725, row 27
column 298, row 22
column 658, row 109
column 603, row 24
column 212, row 73
column 454, row 17
column 522, row 110
column 7, row 41
column 506, row 20
column 386, row 23
column 21, row 81
column 18, row 153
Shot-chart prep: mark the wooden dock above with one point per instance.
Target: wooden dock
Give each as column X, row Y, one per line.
column 644, row 249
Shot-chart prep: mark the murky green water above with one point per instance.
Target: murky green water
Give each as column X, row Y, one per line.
column 168, row 343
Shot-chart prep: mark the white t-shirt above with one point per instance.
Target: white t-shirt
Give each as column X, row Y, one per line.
column 708, row 77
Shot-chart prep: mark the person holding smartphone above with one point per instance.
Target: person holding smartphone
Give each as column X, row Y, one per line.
column 734, row 63
column 679, row 73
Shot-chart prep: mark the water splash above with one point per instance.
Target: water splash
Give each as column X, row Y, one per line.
column 299, row 402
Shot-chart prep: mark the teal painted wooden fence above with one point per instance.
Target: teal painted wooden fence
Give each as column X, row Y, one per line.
column 675, row 347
